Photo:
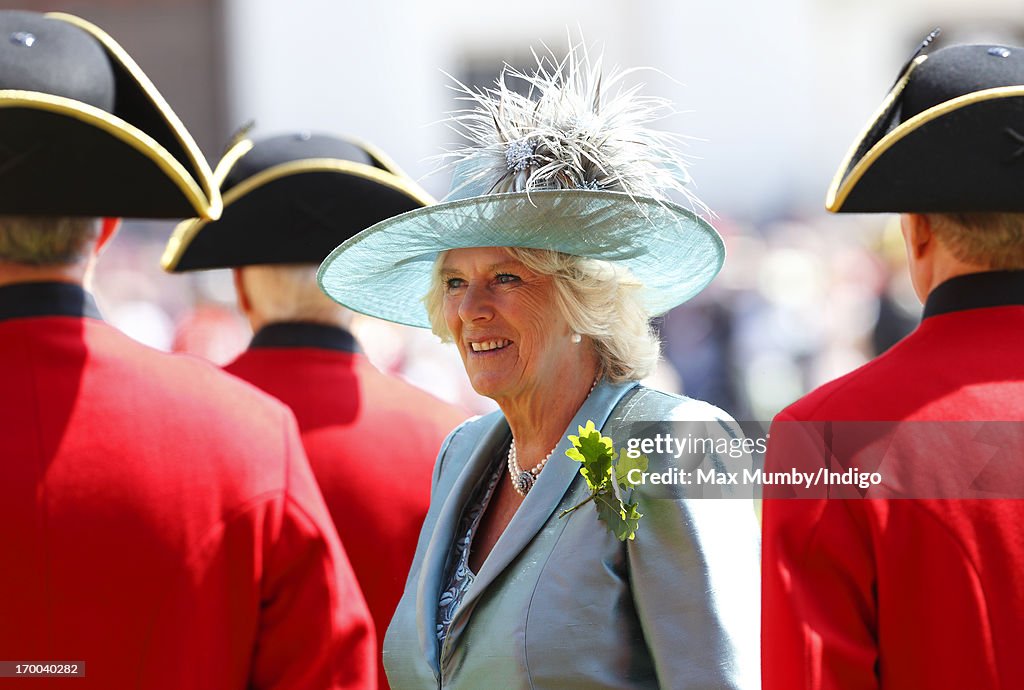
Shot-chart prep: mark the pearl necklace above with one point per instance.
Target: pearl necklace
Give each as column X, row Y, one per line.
column 523, row 480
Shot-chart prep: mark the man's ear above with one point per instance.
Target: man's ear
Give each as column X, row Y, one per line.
column 921, row 245
column 243, row 298
column 108, row 228
column 918, row 234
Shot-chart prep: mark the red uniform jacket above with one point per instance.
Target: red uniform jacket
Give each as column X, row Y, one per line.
column 905, row 593
column 372, row 441
column 158, row 519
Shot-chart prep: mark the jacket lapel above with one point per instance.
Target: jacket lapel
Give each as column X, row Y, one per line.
column 476, row 469
column 540, row 504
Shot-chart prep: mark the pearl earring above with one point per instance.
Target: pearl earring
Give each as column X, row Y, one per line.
column 577, row 338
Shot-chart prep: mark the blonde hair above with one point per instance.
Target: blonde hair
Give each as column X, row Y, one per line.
column 46, row 240
column 596, row 298
column 993, row 240
column 289, row 292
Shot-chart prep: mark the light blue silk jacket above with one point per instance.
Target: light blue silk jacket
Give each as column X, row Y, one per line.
column 560, row 603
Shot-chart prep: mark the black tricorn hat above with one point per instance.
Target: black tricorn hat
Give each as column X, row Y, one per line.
column 948, row 138
column 292, row 199
column 83, row 132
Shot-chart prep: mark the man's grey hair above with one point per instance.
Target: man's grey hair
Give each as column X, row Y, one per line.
column 46, row 240
column 289, row 292
column 992, row 240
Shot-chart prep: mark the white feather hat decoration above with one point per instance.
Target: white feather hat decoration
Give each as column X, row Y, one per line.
column 573, row 165
column 567, row 132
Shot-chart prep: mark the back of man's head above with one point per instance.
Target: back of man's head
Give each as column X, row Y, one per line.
column 47, row 241
column 289, row 292
column 994, row 241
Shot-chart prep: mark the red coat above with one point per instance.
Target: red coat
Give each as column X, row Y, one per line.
column 906, row 593
column 372, row 441
column 158, row 519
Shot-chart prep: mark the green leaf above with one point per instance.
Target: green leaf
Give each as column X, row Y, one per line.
column 622, row 519
column 574, row 454
column 593, row 444
column 631, row 517
column 583, row 431
column 596, row 454
column 597, row 461
column 609, row 511
column 625, row 465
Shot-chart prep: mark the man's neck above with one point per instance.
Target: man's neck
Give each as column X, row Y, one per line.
column 955, row 269
column 339, row 318
column 12, row 273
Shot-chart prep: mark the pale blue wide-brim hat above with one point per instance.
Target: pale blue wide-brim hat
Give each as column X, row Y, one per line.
column 534, row 177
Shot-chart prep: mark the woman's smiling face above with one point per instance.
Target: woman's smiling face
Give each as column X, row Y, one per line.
column 505, row 322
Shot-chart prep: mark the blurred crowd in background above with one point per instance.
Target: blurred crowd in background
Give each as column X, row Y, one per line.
column 795, row 306
column 768, row 104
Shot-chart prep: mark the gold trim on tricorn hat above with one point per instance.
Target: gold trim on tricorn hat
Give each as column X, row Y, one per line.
column 64, row 156
column 948, row 137
column 263, row 205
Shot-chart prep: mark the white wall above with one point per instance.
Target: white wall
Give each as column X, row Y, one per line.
column 776, row 90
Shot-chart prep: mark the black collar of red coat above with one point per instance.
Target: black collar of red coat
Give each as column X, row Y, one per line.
column 29, row 300
column 305, row 334
column 976, row 291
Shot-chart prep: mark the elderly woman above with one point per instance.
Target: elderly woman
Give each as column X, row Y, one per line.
column 543, row 267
